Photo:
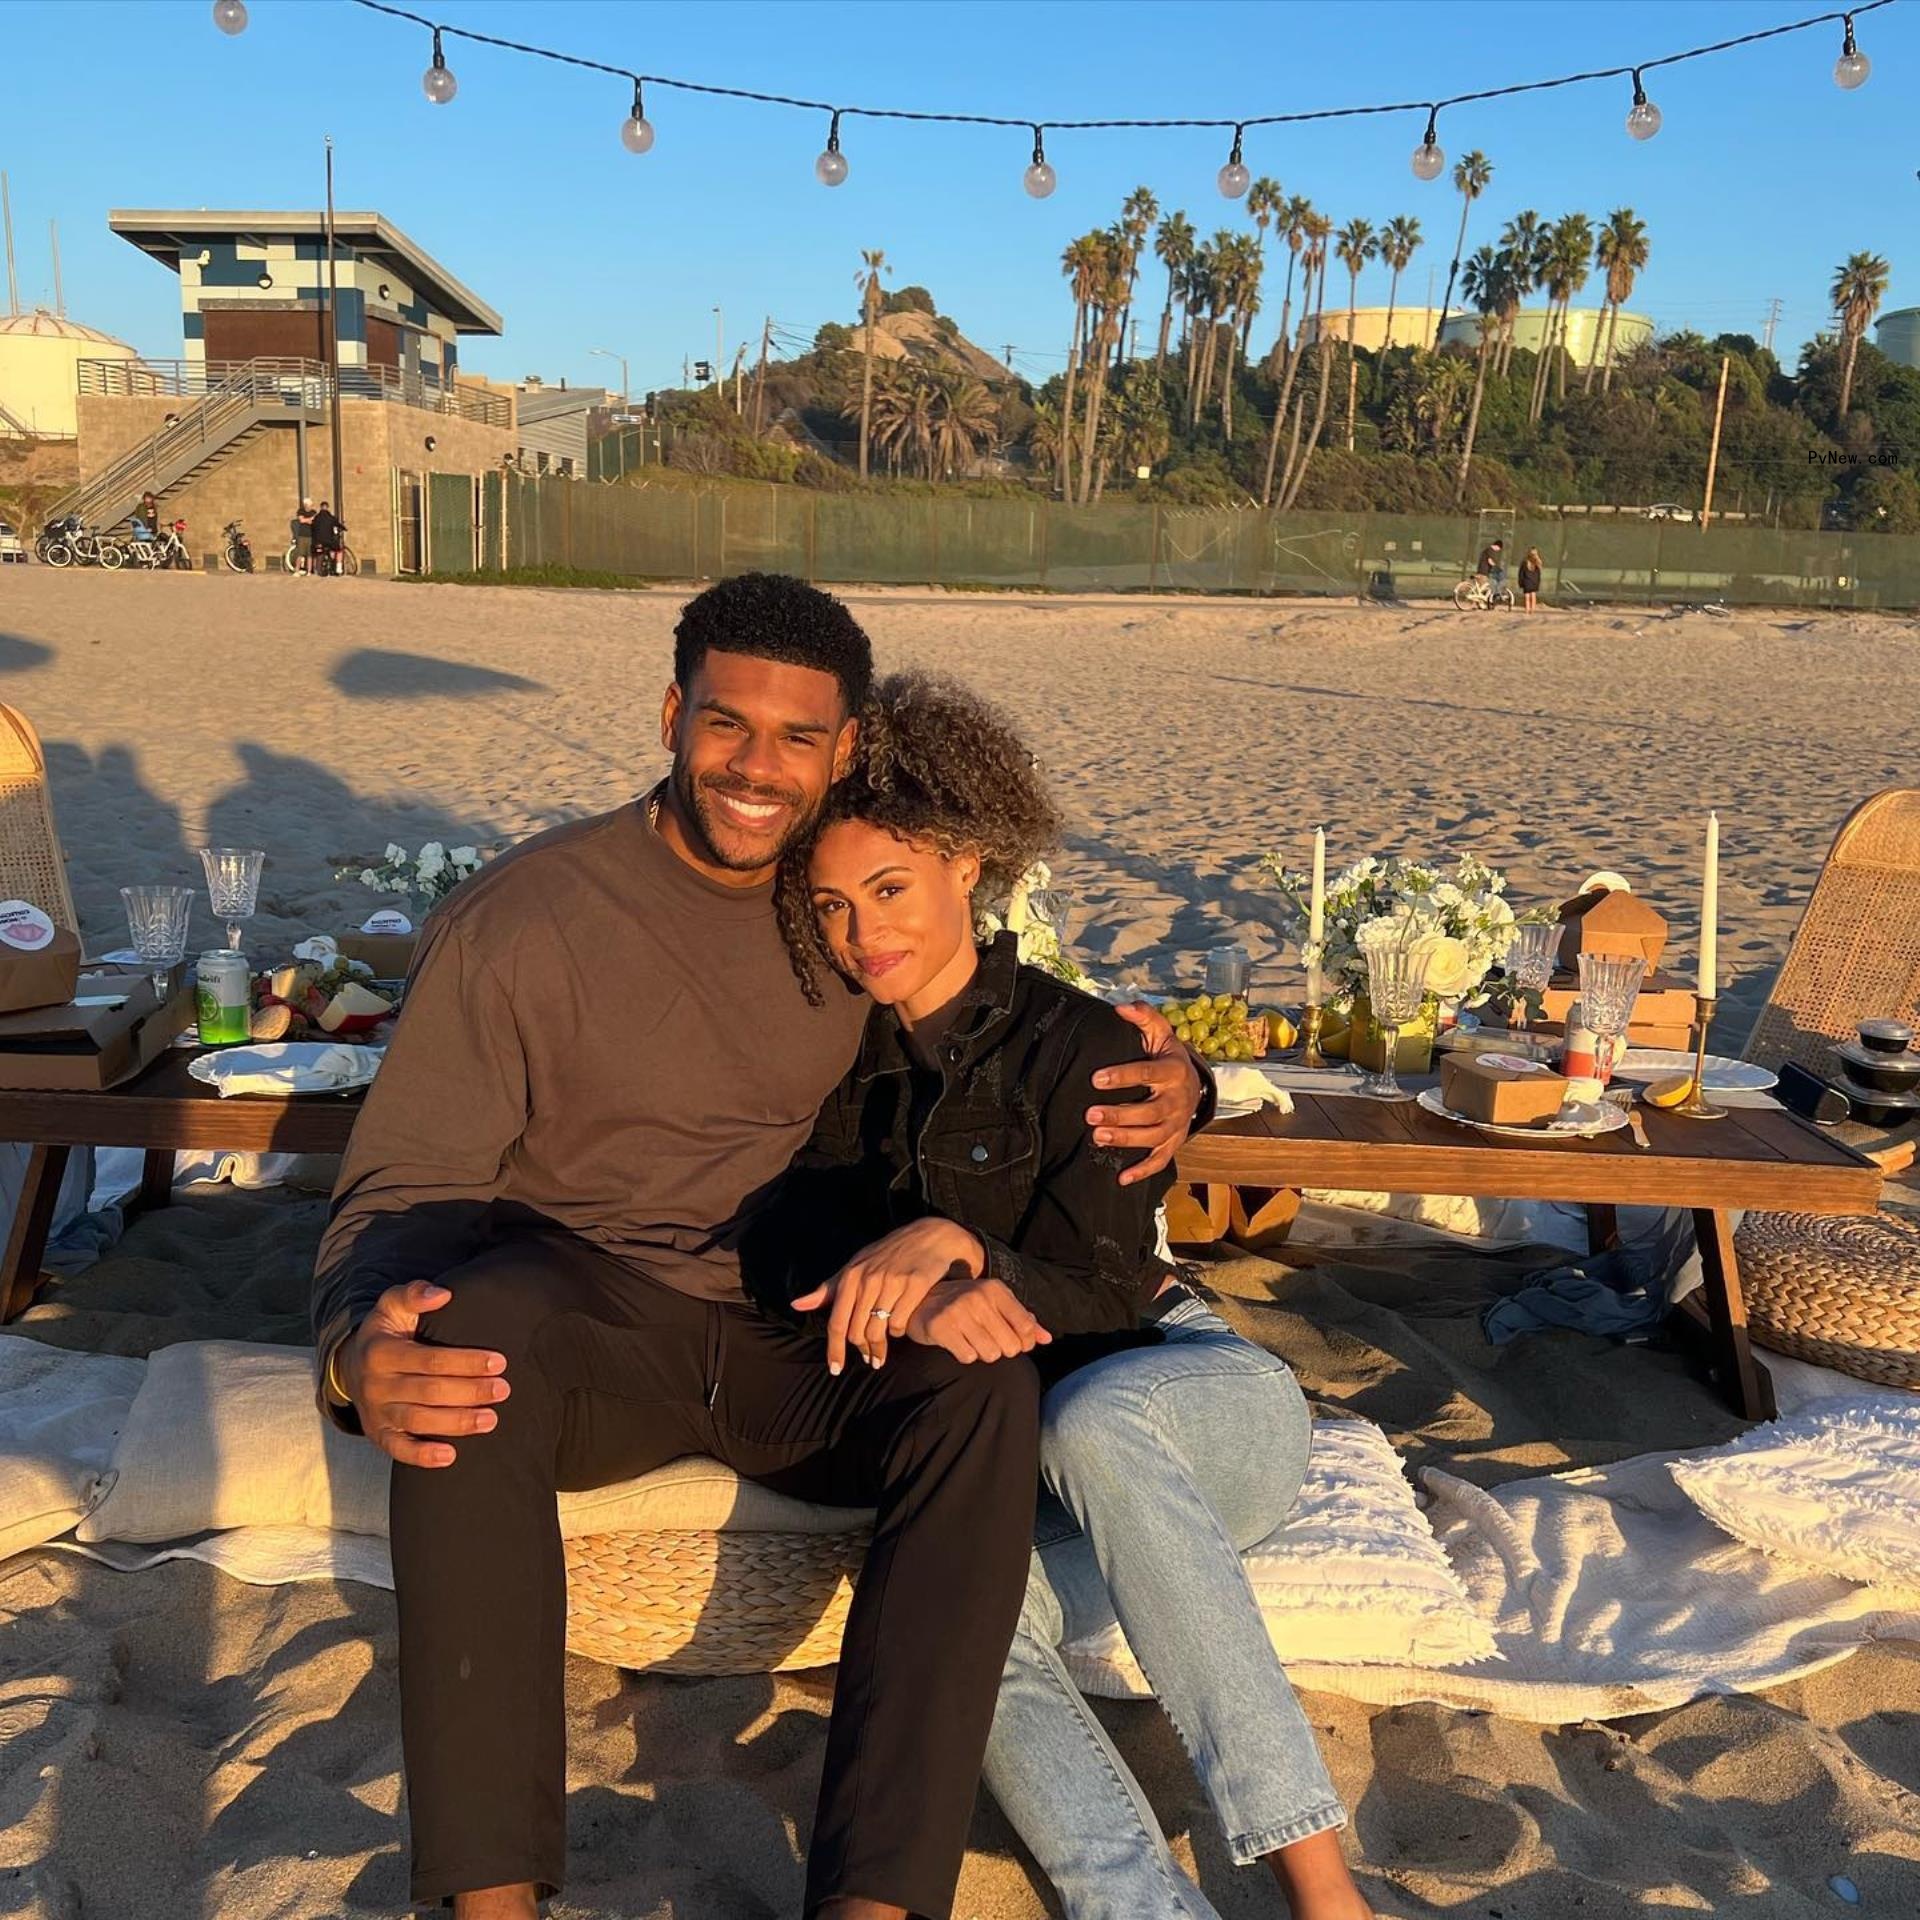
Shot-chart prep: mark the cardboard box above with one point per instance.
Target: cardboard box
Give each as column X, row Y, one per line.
column 1501, row 1088
column 1607, row 921
column 388, row 954
column 1664, row 1002
column 39, row 976
column 86, row 1047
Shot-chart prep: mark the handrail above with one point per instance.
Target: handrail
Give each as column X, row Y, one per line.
column 424, row 391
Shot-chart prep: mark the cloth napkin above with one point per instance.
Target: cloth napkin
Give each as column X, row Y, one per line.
column 1242, row 1088
column 259, row 1070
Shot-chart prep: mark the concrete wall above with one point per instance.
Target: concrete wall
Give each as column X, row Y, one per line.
column 1898, row 336
column 258, row 483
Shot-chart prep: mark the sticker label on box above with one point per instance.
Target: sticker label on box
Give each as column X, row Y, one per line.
column 24, row 926
column 388, row 920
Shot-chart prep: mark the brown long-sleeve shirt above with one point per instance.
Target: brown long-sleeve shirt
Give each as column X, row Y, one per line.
column 596, row 1034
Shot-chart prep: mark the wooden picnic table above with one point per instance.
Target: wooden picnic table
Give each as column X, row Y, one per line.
column 1756, row 1157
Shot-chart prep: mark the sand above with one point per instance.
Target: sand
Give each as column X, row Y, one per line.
column 175, row 1744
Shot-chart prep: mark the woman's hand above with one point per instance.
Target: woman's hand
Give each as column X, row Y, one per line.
column 1161, row 1121
column 976, row 1319
column 882, row 1288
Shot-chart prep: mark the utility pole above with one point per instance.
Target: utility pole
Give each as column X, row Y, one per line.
column 1006, row 354
column 739, row 375
column 760, row 373
column 1133, row 339
column 1713, row 453
column 333, row 348
column 686, row 372
column 1773, row 320
column 719, row 345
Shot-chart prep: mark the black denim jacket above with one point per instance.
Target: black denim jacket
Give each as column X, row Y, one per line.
column 1004, row 1150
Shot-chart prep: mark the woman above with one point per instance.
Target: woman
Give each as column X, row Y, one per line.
column 951, row 1195
column 1530, row 570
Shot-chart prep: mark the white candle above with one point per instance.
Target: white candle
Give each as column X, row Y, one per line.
column 1710, row 912
column 1317, row 916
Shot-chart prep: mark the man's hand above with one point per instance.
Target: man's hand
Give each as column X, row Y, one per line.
column 1162, row 1120
column 881, row 1289
column 976, row 1319
column 408, row 1395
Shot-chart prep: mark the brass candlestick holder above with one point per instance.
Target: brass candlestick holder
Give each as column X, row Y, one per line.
column 1696, row 1105
column 1313, row 1057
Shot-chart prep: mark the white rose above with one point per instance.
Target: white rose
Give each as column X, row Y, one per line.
column 1450, row 968
column 434, row 847
column 464, row 857
column 368, row 878
column 396, row 854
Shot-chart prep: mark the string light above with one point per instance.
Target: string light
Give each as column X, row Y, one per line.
column 1427, row 157
column 636, row 131
column 230, row 16
column 831, row 168
column 1039, row 179
column 1233, row 179
column 1853, row 66
column 1850, row 71
column 439, row 83
column 1643, row 117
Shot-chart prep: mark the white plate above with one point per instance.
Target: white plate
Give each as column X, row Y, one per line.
column 292, row 1062
column 1611, row 1120
column 1723, row 1075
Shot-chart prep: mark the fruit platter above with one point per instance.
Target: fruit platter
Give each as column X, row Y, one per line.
column 321, row 994
column 1222, row 1026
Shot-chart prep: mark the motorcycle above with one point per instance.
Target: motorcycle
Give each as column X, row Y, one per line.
column 237, row 553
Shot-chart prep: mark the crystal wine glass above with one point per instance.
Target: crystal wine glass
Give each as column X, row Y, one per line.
column 1609, row 987
column 233, row 885
column 1396, row 985
column 1530, row 963
column 157, row 924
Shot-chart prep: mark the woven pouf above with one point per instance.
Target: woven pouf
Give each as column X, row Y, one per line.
column 711, row 1602
column 1841, row 1290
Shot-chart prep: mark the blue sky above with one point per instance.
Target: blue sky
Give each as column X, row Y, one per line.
column 1764, row 176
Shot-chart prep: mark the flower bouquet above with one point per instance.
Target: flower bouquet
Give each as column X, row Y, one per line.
column 1032, row 911
column 427, row 877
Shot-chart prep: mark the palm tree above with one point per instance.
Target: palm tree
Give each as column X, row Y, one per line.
column 1471, row 175
column 1399, row 241
column 1488, row 287
column 1569, row 246
column 1113, row 306
column 873, row 263
column 1241, row 262
column 1858, row 288
column 1319, row 233
column 1355, row 248
column 1137, row 216
column 1264, row 203
column 1314, row 230
column 966, row 417
column 1142, row 432
column 1173, row 247
column 1290, row 222
column 1620, row 252
column 1081, row 262
column 1044, row 436
column 1524, row 241
column 1213, row 283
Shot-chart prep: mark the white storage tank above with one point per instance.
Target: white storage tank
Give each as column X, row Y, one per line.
column 40, row 354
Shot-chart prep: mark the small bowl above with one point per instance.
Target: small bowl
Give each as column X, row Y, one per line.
column 1883, row 1109
column 1885, row 1036
column 1893, row 1073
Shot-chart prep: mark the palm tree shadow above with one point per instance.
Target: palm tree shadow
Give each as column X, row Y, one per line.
column 147, row 848
column 21, row 655
column 387, row 673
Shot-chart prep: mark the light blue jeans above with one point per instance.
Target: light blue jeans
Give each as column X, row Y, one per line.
column 1160, row 1464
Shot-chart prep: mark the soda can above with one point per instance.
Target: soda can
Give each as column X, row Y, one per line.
column 224, row 994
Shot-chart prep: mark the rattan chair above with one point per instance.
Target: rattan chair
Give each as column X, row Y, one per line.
column 32, row 867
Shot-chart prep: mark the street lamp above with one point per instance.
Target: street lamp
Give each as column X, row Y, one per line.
column 622, row 358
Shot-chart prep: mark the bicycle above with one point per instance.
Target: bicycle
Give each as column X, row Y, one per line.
column 75, row 546
column 346, row 561
column 238, row 551
column 1480, row 594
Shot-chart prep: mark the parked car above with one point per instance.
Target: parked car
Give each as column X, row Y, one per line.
column 1669, row 510
column 10, row 547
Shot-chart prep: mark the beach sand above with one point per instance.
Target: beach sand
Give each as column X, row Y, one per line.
column 176, row 1744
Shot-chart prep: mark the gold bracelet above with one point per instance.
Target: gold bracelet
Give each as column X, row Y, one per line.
column 335, row 1391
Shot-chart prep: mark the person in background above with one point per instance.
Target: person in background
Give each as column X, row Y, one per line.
column 1492, row 564
column 1530, row 570
column 329, row 535
column 146, row 518
column 301, row 527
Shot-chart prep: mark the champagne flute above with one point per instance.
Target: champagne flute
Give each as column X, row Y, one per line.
column 1609, row 989
column 157, row 925
column 233, row 885
column 1530, row 963
column 1396, row 985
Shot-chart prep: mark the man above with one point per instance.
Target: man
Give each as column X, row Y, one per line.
column 301, row 528
column 1491, row 566
column 530, row 1283
column 329, row 534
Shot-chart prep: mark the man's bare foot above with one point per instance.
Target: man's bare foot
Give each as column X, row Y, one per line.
column 858, row 1910
column 497, row 1903
column 1313, row 1876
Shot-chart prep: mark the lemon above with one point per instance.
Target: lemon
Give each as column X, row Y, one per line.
column 1282, row 1033
column 1668, row 1093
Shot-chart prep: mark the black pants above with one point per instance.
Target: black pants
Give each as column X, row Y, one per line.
column 612, row 1375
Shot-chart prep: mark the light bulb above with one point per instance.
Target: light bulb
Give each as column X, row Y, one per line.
column 1851, row 69
column 438, row 81
column 636, row 134
column 230, row 16
column 831, row 168
column 1643, row 122
column 1040, row 180
column 1234, row 179
column 1428, row 161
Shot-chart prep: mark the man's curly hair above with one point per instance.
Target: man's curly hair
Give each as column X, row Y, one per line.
column 940, row 767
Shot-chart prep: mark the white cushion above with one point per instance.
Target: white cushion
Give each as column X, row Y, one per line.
column 226, row 1433
column 1835, row 1488
column 59, row 1415
column 1355, row 1577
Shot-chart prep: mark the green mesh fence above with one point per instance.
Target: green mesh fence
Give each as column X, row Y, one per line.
column 681, row 533
column 450, row 543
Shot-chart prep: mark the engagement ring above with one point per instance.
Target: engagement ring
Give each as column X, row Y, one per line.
column 880, row 1313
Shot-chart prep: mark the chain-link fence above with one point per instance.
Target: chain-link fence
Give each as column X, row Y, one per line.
column 683, row 533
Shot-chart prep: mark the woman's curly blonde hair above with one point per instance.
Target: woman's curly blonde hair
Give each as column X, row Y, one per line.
column 940, row 767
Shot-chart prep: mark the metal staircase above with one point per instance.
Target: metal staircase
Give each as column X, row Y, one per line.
column 246, row 400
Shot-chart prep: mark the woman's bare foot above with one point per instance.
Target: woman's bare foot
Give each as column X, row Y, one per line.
column 497, row 1903
column 1313, row 1876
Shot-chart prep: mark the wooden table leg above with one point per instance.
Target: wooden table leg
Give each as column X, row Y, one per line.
column 1603, row 1227
column 1742, row 1380
column 156, row 1177
column 32, row 1222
